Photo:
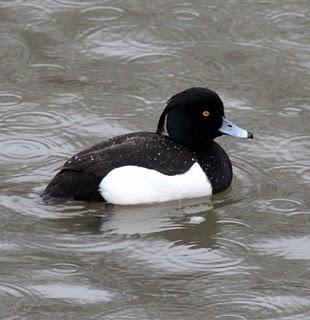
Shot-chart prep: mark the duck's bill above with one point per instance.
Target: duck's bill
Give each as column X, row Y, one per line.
column 233, row 130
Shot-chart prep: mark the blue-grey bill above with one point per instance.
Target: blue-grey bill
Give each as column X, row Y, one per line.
column 233, row 130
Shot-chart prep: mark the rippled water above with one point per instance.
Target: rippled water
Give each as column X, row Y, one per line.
column 74, row 72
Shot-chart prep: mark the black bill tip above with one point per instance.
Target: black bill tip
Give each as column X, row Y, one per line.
column 250, row 135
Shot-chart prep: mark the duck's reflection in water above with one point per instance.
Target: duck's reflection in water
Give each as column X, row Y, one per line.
column 191, row 222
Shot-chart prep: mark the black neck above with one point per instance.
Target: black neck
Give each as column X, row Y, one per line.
column 215, row 162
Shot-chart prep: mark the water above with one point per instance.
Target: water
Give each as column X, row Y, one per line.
column 75, row 72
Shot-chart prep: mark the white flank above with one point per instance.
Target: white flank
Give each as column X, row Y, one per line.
column 130, row 185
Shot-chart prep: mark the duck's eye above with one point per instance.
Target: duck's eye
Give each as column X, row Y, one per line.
column 206, row 113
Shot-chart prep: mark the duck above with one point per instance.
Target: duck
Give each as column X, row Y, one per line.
column 179, row 160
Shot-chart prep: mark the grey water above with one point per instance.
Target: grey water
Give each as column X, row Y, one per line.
column 75, row 72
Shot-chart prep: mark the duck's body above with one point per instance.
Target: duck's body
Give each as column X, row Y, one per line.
column 149, row 167
column 81, row 177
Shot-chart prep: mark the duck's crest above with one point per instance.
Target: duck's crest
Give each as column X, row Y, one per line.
column 162, row 118
column 161, row 122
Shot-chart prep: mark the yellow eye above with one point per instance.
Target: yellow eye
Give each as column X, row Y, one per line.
column 206, row 113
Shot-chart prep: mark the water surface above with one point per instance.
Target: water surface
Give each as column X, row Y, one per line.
column 76, row 72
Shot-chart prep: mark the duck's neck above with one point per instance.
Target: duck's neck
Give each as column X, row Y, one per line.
column 217, row 166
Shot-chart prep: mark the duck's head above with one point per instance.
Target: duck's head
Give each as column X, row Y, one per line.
column 194, row 117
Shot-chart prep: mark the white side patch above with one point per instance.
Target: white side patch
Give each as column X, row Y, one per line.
column 136, row 185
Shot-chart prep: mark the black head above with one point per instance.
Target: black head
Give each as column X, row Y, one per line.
column 193, row 117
